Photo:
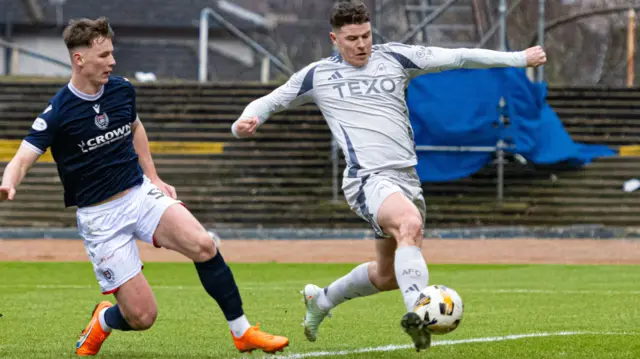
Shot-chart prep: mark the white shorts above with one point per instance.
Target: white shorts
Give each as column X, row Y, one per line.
column 109, row 231
column 365, row 195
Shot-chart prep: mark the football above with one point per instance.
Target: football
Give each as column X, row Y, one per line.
column 440, row 307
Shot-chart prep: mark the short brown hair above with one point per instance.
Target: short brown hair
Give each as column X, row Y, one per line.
column 82, row 32
column 348, row 12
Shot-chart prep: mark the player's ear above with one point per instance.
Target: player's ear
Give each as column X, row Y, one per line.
column 77, row 58
column 333, row 37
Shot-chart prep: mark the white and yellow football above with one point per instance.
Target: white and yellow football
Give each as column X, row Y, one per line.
column 440, row 307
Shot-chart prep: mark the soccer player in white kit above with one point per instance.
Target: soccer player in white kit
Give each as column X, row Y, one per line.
column 361, row 94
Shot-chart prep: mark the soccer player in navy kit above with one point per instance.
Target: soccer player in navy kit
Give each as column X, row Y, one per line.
column 104, row 163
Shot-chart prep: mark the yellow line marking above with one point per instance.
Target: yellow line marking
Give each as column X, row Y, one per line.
column 8, row 149
column 188, row 148
column 630, row 150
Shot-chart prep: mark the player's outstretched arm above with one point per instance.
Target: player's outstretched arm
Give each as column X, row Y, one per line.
column 16, row 170
column 141, row 145
column 482, row 58
column 423, row 59
column 296, row 91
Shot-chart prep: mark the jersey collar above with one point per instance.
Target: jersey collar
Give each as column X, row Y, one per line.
column 83, row 95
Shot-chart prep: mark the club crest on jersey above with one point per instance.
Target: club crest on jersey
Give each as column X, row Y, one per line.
column 102, row 121
column 108, row 275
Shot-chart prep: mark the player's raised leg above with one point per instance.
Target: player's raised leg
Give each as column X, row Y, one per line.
column 365, row 196
column 401, row 219
column 178, row 230
column 364, row 280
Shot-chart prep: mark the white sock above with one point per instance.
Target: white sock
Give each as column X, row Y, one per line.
column 411, row 273
column 103, row 324
column 239, row 326
column 353, row 285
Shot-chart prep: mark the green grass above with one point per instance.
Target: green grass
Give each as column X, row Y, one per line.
column 46, row 305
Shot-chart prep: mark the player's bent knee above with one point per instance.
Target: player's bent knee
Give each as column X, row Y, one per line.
column 411, row 230
column 142, row 319
column 206, row 248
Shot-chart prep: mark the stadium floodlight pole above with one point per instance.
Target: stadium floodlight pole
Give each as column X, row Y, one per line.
column 502, row 8
column 204, row 42
column 500, row 145
column 541, row 17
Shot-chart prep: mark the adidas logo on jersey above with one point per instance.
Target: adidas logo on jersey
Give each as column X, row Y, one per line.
column 336, row 75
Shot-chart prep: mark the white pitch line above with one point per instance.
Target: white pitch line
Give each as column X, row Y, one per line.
column 294, row 284
column 551, row 291
column 388, row 348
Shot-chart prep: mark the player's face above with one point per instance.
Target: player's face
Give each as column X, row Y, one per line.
column 96, row 62
column 354, row 43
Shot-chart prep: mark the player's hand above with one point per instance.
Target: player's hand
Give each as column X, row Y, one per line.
column 165, row 188
column 536, row 56
column 246, row 127
column 7, row 193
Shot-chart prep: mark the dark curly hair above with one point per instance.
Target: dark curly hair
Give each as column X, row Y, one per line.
column 349, row 12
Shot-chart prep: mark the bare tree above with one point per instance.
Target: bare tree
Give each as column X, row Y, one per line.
column 588, row 51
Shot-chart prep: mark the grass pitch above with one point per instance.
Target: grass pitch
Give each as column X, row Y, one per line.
column 511, row 311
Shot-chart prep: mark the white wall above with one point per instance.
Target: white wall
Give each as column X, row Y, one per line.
column 47, row 45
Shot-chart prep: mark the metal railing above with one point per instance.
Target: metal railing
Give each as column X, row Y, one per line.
column 426, row 21
column 499, row 150
column 204, row 45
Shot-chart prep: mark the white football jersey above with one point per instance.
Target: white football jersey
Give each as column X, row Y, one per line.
column 365, row 107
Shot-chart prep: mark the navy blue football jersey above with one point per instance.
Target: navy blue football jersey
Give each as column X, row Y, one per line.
column 91, row 141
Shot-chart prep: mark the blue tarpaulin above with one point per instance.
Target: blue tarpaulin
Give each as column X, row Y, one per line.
column 461, row 108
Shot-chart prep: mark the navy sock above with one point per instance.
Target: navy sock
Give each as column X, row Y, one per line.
column 217, row 280
column 115, row 320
